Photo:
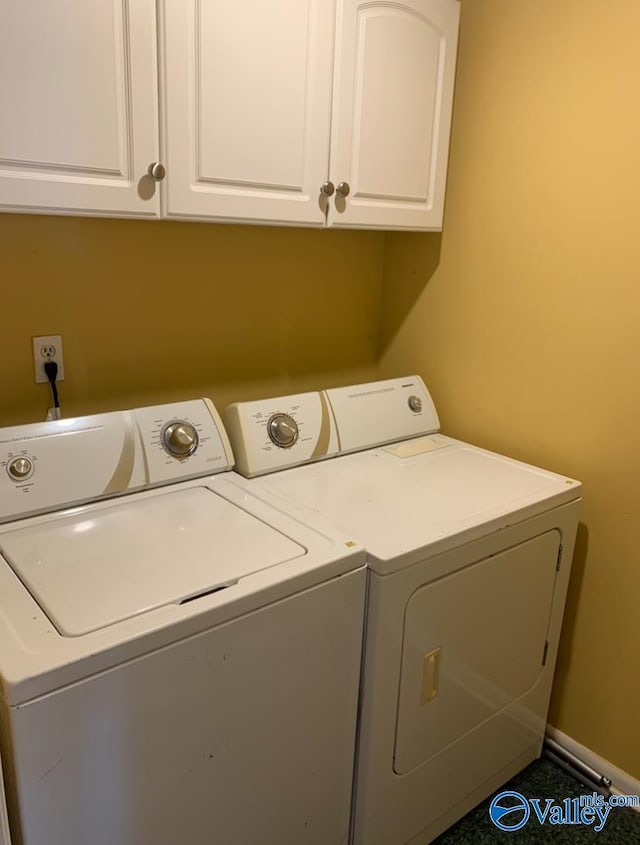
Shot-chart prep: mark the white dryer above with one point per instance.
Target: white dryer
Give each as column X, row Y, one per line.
column 469, row 555
column 178, row 664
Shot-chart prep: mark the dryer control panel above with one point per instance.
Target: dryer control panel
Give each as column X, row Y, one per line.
column 273, row 434
column 50, row 465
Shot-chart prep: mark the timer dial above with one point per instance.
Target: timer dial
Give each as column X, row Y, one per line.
column 180, row 439
column 20, row 468
column 282, row 430
column 415, row 403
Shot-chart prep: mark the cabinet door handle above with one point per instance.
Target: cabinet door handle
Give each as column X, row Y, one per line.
column 327, row 189
column 156, row 171
column 343, row 189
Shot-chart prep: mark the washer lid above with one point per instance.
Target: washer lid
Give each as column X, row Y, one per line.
column 103, row 565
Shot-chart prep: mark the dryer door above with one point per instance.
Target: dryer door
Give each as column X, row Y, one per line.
column 474, row 643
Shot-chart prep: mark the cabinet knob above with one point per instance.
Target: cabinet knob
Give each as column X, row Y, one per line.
column 157, row 171
column 327, row 189
column 343, row 189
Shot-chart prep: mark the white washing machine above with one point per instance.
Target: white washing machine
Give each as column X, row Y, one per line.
column 469, row 555
column 178, row 664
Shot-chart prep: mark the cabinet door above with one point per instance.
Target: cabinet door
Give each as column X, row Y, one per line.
column 78, row 106
column 392, row 100
column 246, row 109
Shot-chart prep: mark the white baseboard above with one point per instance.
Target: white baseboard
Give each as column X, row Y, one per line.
column 622, row 783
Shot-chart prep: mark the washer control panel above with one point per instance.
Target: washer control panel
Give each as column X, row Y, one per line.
column 274, row 434
column 183, row 439
column 51, row 465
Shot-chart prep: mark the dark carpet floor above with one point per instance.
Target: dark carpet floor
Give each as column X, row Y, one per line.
column 543, row 779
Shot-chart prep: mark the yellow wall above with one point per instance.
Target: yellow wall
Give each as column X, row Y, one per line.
column 525, row 317
column 153, row 312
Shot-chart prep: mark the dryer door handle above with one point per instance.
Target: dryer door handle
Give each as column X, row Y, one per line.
column 430, row 676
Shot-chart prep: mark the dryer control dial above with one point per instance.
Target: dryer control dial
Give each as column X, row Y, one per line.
column 415, row 403
column 180, row 439
column 282, row 430
column 20, row 469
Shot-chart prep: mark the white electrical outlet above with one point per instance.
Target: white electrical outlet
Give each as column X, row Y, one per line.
column 47, row 348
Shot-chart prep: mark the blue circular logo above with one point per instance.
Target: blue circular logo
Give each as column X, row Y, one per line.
column 509, row 811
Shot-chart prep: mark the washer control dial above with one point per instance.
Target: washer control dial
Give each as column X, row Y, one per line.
column 282, row 430
column 415, row 403
column 180, row 439
column 20, row 469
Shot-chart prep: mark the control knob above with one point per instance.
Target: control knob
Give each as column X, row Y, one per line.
column 180, row 439
column 20, row 468
column 282, row 430
column 415, row 403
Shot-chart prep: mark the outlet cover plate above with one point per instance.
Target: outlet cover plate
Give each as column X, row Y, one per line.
column 47, row 348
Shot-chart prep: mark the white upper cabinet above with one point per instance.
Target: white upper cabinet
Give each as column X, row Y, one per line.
column 301, row 112
column 392, row 99
column 78, row 106
column 246, row 108
column 253, row 126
